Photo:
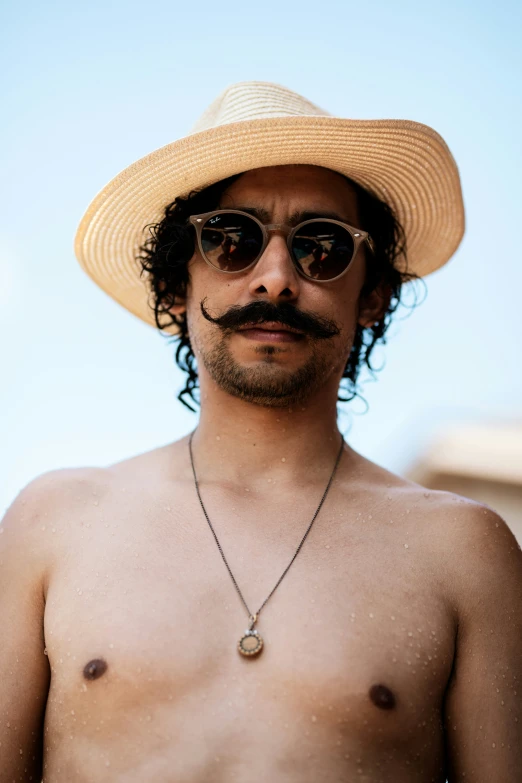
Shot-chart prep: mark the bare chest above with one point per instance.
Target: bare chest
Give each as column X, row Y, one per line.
column 142, row 628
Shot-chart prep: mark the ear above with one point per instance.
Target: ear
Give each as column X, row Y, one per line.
column 180, row 303
column 179, row 307
column 373, row 306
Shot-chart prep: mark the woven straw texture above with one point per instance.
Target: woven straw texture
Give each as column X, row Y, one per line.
column 256, row 124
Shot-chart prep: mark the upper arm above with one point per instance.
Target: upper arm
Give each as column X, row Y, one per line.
column 483, row 715
column 24, row 668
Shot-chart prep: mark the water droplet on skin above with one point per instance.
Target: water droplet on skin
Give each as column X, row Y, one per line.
column 327, row 546
column 314, row 719
column 392, row 617
column 410, row 633
column 269, row 481
column 370, row 615
column 218, row 437
column 493, row 745
column 54, row 530
column 43, row 528
column 426, row 494
column 283, row 459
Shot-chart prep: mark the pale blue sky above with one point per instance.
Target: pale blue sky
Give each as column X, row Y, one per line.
column 89, row 88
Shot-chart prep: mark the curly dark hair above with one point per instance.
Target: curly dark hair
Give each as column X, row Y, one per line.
column 165, row 254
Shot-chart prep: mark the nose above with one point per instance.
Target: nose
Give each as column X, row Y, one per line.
column 275, row 277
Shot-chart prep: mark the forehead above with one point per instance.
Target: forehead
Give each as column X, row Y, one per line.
column 278, row 189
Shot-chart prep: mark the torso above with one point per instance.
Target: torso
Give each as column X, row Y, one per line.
column 138, row 585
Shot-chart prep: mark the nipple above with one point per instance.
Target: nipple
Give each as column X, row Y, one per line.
column 382, row 697
column 94, row 669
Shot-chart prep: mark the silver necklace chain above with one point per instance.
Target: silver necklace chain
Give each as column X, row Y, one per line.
column 254, row 617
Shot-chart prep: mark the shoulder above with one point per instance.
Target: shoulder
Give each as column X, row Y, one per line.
column 69, row 490
column 27, row 544
column 466, row 546
column 447, row 520
column 471, row 551
column 44, row 499
column 53, row 489
column 461, row 528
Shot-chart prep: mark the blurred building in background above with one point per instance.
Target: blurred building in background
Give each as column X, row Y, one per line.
column 482, row 462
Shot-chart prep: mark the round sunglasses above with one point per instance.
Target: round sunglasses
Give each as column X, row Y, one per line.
column 322, row 249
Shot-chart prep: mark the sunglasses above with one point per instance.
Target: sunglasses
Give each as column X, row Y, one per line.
column 322, row 249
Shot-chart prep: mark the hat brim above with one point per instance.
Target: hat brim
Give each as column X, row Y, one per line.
column 404, row 163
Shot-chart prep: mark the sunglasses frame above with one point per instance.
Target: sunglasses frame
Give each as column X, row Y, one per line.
column 358, row 235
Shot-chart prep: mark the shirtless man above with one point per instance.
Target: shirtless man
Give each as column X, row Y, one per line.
column 392, row 644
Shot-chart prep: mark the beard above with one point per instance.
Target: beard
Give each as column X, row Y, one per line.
column 267, row 384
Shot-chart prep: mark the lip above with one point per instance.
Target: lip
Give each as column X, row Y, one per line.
column 270, row 331
column 269, row 326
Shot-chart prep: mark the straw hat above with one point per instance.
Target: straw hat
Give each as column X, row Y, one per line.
column 256, row 124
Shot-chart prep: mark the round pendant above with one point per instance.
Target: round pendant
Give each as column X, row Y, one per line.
column 250, row 644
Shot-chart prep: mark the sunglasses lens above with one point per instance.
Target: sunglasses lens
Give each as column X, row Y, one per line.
column 323, row 250
column 231, row 242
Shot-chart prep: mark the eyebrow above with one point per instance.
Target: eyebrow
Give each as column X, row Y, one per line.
column 297, row 217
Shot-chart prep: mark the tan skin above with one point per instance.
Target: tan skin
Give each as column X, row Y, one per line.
column 115, row 573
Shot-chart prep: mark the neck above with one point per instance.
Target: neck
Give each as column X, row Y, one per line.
column 239, row 442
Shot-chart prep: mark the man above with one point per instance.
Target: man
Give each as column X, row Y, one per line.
column 363, row 628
